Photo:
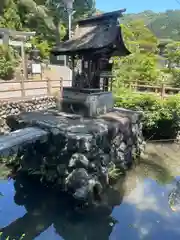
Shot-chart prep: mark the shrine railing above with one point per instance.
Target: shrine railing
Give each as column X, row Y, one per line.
column 162, row 89
column 30, row 88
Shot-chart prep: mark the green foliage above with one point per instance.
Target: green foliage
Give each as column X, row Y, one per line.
column 145, row 39
column 8, row 238
column 172, row 55
column 138, row 37
column 9, row 17
column 7, row 160
column 129, row 38
column 42, row 46
column 161, row 117
column 137, row 67
column 84, row 8
column 163, row 25
column 8, row 63
column 142, row 64
column 47, row 18
column 114, row 173
column 175, row 82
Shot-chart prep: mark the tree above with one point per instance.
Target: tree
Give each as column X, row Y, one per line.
column 48, row 18
column 9, row 16
column 82, row 8
column 7, row 63
column 172, row 55
column 137, row 67
column 143, row 36
column 141, row 65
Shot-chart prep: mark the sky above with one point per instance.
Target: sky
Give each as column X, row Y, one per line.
column 135, row 6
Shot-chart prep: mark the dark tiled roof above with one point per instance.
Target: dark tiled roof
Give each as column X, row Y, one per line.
column 89, row 37
column 93, row 35
column 104, row 16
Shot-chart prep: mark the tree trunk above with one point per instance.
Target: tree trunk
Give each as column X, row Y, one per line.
column 57, row 26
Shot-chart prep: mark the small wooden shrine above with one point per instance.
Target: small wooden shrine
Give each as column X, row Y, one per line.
column 95, row 41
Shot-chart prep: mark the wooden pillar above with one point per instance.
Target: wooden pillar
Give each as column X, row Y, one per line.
column 22, row 79
column 163, row 91
column 89, row 70
column 23, row 56
column 73, row 73
column 96, row 77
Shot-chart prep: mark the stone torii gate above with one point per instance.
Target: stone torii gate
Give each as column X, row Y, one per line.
column 22, row 37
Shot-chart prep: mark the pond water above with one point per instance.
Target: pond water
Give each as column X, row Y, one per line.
column 139, row 206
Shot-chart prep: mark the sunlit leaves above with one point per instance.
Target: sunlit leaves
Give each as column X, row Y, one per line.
column 142, row 64
column 172, row 52
column 10, row 17
column 172, row 55
column 48, row 18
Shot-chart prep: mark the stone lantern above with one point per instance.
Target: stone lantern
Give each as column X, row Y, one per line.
column 35, row 54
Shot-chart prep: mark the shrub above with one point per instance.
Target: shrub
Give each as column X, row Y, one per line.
column 7, row 63
column 161, row 116
column 137, row 67
column 42, row 46
column 8, row 238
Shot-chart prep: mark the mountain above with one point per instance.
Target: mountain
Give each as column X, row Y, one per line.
column 165, row 25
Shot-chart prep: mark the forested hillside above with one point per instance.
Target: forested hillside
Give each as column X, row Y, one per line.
column 164, row 24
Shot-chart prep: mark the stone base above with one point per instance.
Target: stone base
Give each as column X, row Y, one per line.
column 80, row 151
column 87, row 102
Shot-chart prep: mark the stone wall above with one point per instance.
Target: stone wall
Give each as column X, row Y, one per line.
column 81, row 154
column 28, row 105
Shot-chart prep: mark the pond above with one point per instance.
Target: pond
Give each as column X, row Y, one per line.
column 140, row 206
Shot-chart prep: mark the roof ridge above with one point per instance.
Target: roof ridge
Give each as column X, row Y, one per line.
column 103, row 16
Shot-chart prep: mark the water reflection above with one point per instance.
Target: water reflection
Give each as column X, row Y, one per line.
column 142, row 205
column 174, row 198
column 144, row 213
column 147, row 214
column 45, row 210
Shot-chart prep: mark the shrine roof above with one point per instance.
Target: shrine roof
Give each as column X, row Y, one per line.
column 92, row 34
